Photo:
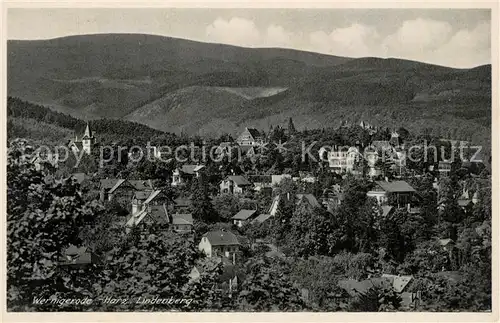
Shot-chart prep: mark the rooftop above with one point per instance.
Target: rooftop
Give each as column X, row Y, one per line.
column 186, row 218
column 191, row 169
column 239, row 180
column 395, row 186
column 221, row 238
column 399, row 283
column 243, row 214
column 254, row 132
column 142, row 195
column 109, row 183
column 152, row 196
column 76, row 256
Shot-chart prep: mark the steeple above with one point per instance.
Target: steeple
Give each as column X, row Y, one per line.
column 88, row 132
column 88, row 139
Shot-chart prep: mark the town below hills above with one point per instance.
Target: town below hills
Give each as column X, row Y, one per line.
column 178, row 85
column 149, row 173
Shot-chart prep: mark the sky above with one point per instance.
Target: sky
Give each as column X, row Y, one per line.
column 449, row 37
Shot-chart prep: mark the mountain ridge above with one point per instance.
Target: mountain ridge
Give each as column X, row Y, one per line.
column 136, row 76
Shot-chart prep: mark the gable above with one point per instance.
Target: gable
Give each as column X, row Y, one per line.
column 254, row 133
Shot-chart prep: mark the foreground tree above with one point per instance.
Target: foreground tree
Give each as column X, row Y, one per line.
column 310, row 231
column 43, row 218
column 151, row 263
column 267, row 287
column 202, row 206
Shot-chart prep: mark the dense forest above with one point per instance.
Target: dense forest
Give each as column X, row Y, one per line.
column 111, row 128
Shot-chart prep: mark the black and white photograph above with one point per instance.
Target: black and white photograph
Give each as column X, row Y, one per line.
column 232, row 159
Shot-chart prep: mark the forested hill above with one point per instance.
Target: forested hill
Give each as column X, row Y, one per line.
column 35, row 121
column 178, row 85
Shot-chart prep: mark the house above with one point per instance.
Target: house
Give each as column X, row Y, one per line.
column 243, row 216
column 399, row 284
column 341, row 160
column 182, row 175
column 230, row 277
column 78, row 257
column 261, row 182
column 444, row 168
column 141, row 199
column 84, row 140
column 396, row 193
column 250, row 137
column 305, row 200
column 149, row 214
column 219, row 243
column 235, row 185
column 447, row 244
column 111, row 188
column 182, row 222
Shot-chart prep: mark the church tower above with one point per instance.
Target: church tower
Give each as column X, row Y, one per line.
column 88, row 140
